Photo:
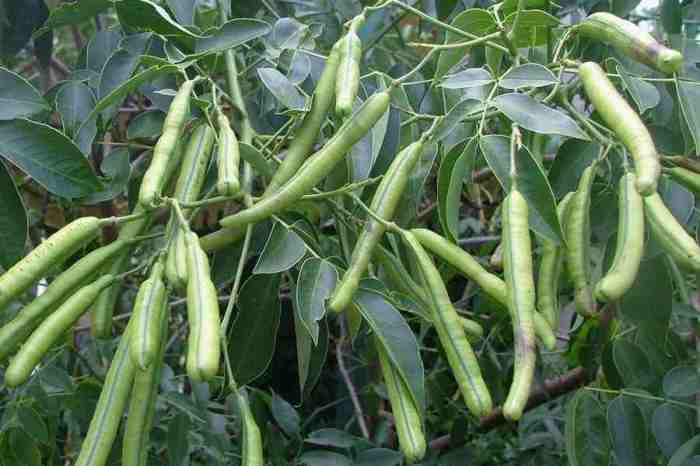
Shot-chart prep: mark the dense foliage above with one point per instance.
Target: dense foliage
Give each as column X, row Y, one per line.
column 349, row 233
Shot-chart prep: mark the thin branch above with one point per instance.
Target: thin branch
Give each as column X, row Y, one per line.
column 348, row 381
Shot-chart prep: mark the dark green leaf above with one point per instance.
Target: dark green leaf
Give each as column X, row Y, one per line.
column 33, row 424
column 681, row 382
column 324, row 458
column 310, row 358
column 471, row 77
column 183, row 10
column 632, row 364
column 286, row 416
column 572, row 158
column 644, row 94
column 117, row 167
column 316, row 282
column 232, row 34
column 253, row 334
column 396, row 338
column 531, row 182
column 455, row 116
column 537, row 117
column 283, row 90
column 455, row 167
column 251, row 155
column 671, row 428
column 671, row 16
column 527, row 75
column 69, row 13
column 146, row 125
column 474, row 20
column 146, row 15
column 586, row 431
column 649, row 301
column 74, row 101
column 13, row 221
column 378, row 457
column 47, row 156
column 533, row 26
column 628, row 432
column 18, row 98
column 178, row 442
column 687, row 451
column 284, row 248
column 332, row 438
column 689, row 99
column 24, row 448
column 100, row 48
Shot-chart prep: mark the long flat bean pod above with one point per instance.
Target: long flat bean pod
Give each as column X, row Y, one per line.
column 551, row 268
column 317, row 166
column 384, row 203
column 148, row 306
column 578, row 237
column 670, row 234
column 252, row 450
column 13, row 333
column 41, row 340
column 517, row 265
column 630, row 40
column 51, row 251
column 625, row 123
column 203, row 348
column 407, row 418
column 154, row 179
column 629, row 248
column 110, row 407
column 453, row 339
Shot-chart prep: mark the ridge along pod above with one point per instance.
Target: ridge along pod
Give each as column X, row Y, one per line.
column 625, row 123
column 384, row 203
column 517, row 265
column 56, row 248
column 453, row 339
column 316, row 167
column 203, row 344
column 631, row 41
column 154, row 178
column 50, row 330
column 629, row 249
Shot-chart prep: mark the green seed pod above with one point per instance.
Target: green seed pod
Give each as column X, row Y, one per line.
column 517, row 265
column 578, row 237
column 110, row 407
column 629, row 249
column 146, row 336
column 407, row 418
column 228, row 157
column 384, row 203
column 13, row 333
column 317, row 167
column 348, row 80
column 687, row 178
column 221, row 238
column 670, row 234
column 56, row 248
column 154, row 178
column 252, row 450
column 551, row 268
column 176, row 261
column 628, row 39
column 50, row 330
column 625, row 123
column 204, row 347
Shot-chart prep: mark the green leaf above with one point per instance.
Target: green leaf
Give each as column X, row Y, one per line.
column 49, row 157
column 572, row 158
column 178, row 442
column 537, row 117
column 455, row 116
column 633, row 365
column 671, row 428
column 146, row 125
column 18, row 98
column 689, row 99
column 332, row 438
column 471, row 77
column 628, row 432
column 253, row 156
column 316, row 282
column 13, row 221
column 183, row 10
column 232, row 34
column 378, row 457
column 644, row 94
column 67, row 14
column 531, row 182
column 672, row 16
column 146, row 15
column 117, row 168
column 650, row 299
column 310, row 358
column 455, row 167
column 396, row 338
column 100, row 48
column 74, row 101
column 688, row 450
column 324, row 458
column 253, row 334
column 284, row 248
column 586, row 431
column 529, row 75
column 24, row 448
column 283, row 90
column 681, row 382
column 533, row 27
column 474, row 20
column 33, row 424
column 286, row 416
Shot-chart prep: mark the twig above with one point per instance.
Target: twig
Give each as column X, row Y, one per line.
column 348, row 381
